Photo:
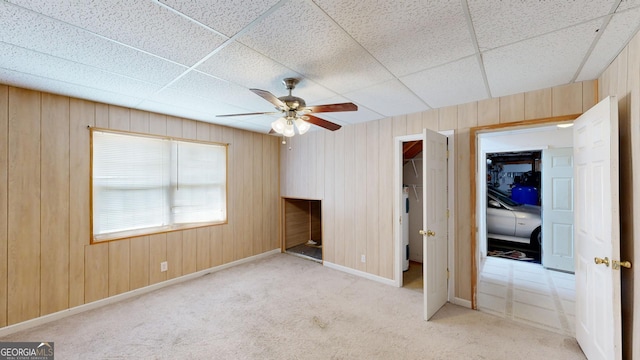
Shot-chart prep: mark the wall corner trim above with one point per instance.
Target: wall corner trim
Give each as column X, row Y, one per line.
column 461, row 302
column 5, row 331
column 358, row 273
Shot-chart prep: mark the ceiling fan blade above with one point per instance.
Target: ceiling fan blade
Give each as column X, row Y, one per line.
column 271, row 132
column 270, row 98
column 247, row 114
column 332, row 107
column 321, row 122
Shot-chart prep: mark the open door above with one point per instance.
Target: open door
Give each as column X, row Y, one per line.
column 597, row 231
column 557, row 209
column 434, row 221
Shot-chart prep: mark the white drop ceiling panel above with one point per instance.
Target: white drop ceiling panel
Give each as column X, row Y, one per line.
column 199, row 58
column 36, row 32
column 460, row 80
column 145, row 25
column 498, row 23
column 303, row 38
column 557, row 55
column 389, row 99
column 225, row 16
column 619, row 31
column 401, row 38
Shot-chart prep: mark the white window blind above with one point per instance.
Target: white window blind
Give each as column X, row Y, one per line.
column 146, row 184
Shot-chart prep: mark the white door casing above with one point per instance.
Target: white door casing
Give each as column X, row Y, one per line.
column 557, row 209
column 597, row 231
column 434, row 184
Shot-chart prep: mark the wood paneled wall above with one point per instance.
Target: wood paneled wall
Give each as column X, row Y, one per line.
column 46, row 261
column 622, row 79
column 351, row 171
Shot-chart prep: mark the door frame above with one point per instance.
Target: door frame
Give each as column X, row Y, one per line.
column 473, row 183
column 397, row 206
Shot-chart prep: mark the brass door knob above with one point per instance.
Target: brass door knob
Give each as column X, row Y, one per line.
column 617, row 264
column 599, row 261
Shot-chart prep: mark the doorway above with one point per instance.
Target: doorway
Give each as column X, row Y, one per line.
column 412, row 192
column 523, row 290
column 303, row 228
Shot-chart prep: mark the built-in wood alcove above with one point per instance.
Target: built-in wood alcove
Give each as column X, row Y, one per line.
column 303, row 227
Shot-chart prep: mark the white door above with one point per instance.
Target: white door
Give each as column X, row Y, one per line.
column 557, row 209
column 434, row 221
column 597, row 231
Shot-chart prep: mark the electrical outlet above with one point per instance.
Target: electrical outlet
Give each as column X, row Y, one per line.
column 363, row 258
column 164, row 266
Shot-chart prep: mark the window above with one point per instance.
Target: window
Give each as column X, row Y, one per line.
column 144, row 184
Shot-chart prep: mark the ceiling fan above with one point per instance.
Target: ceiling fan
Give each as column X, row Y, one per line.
column 294, row 110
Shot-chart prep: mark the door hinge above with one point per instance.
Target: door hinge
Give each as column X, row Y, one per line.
column 401, row 220
column 447, row 213
column 447, row 154
column 447, row 273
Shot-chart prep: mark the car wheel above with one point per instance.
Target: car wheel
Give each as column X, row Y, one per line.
column 535, row 242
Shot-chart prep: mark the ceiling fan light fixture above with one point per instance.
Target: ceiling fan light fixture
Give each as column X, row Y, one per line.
column 288, row 129
column 279, row 125
column 302, row 126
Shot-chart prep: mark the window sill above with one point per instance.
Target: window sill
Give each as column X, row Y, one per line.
column 120, row 235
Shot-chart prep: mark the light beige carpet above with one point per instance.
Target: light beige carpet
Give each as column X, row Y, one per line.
column 285, row 307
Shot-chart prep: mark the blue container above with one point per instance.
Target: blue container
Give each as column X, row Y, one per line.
column 525, row 195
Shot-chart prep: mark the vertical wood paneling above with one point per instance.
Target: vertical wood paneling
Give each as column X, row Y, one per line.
column 174, row 126
column 329, row 201
column 228, row 233
column 468, row 115
column 385, row 202
column 537, row 104
column 203, row 248
column 269, row 183
column 339, row 203
column 361, row 194
column 174, row 254
column 102, row 115
column 157, row 124
column 96, row 272
column 489, row 112
column 247, row 196
column 119, row 118
column 511, row 108
column 54, row 197
column 215, row 245
column 414, row 123
column 189, row 129
column 448, row 118
column 463, row 209
column 157, row 254
column 399, row 125
column 350, row 184
column 139, row 121
column 119, row 267
column 319, row 156
column 23, row 225
column 430, row 120
column 589, row 94
column 189, row 251
column 567, row 99
column 81, row 114
column 139, row 262
column 373, row 202
column 4, row 152
column 256, row 196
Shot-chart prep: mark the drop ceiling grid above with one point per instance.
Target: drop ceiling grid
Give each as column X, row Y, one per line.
column 29, row 81
column 51, row 67
column 628, row 4
column 406, row 37
column 243, row 66
column 389, row 98
column 558, row 55
column 311, row 44
column 140, row 24
column 42, row 34
column 456, row 82
column 224, row 16
column 621, row 28
column 506, row 22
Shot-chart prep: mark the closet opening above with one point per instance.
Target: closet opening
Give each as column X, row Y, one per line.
column 303, row 228
column 412, row 195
